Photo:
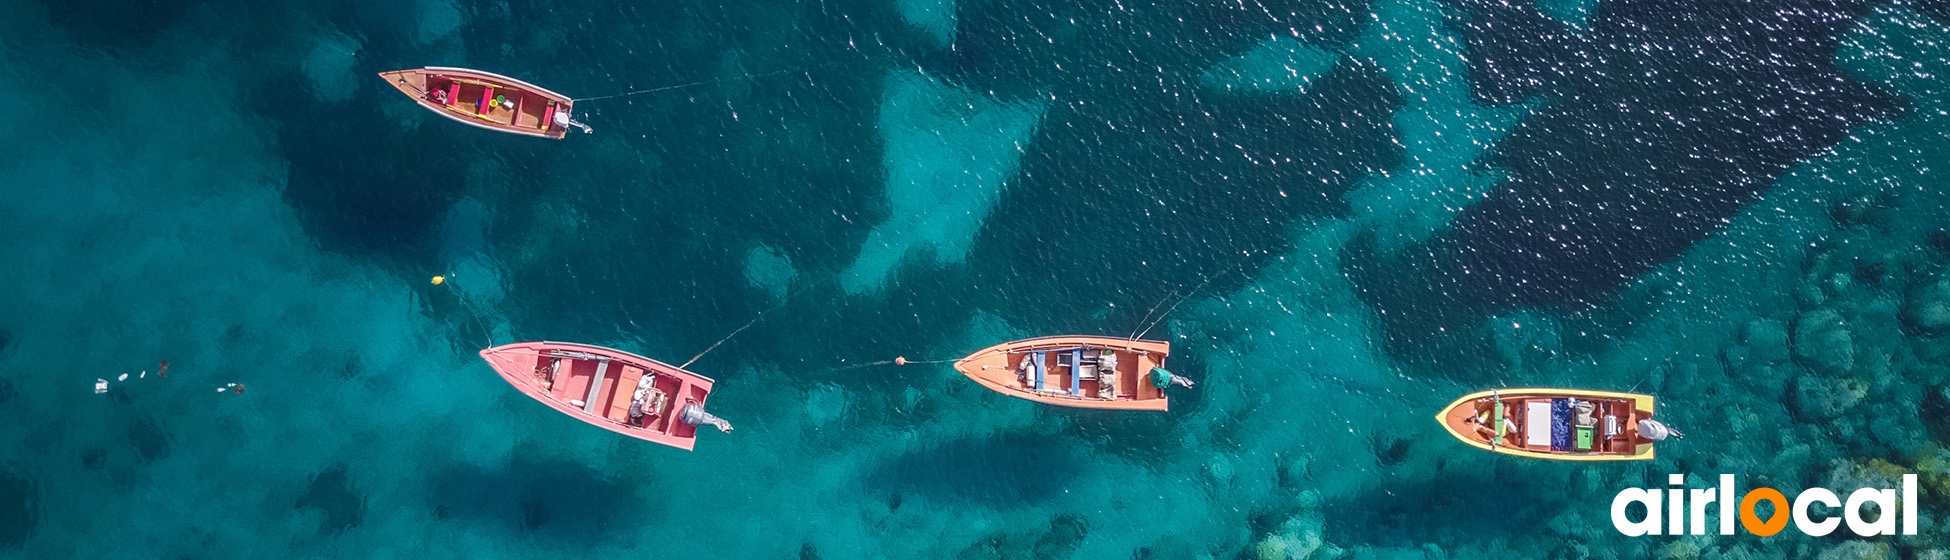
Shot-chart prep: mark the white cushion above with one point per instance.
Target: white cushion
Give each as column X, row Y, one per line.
column 1537, row 423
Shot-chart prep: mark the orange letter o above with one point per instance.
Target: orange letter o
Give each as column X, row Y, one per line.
column 1751, row 520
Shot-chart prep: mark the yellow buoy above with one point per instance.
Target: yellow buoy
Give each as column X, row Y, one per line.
column 437, row 280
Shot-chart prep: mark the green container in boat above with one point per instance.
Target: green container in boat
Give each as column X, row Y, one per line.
column 1584, row 438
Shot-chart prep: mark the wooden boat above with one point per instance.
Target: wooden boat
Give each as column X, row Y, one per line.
column 1066, row 371
column 599, row 385
column 485, row 99
column 1559, row 424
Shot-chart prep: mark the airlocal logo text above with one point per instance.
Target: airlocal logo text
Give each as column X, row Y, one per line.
column 1676, row 513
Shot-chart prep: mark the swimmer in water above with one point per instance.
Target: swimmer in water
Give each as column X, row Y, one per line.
column 165, row 369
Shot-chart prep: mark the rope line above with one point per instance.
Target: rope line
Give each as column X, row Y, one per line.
column 1181, row 301
column 754, row 321
column 879, row 363
column 702, row 83
column 1154, row 309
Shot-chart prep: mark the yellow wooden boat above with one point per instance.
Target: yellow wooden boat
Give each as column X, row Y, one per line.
column 1557, row 424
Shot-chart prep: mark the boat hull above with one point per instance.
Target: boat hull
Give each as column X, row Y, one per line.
column 995, row 367
column 565, row 376
column 469, row 96
column 1522, row 438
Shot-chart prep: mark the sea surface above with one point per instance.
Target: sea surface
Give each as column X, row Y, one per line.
column 1347, row 213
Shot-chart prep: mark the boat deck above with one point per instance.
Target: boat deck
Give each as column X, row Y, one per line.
column 1066, row 371
column 467, row 96
column 597, row 385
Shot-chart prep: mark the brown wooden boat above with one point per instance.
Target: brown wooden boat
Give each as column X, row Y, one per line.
column 1557, row 424
column 487, row 100
column 1068, row 371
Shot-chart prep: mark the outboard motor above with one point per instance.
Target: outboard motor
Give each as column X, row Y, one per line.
column 695, row 415
column 1656, row 431
column 562, row 119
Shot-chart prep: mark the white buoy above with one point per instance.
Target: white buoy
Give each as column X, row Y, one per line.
column 124, row 377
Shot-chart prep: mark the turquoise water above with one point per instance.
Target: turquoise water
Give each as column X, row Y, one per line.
column 1368, row 208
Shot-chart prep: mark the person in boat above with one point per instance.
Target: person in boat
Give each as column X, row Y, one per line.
column 1107, row 375
column 1162, row 379
column 437, row 96
column 1483, row 428
column 1024, row 370
column 647, row 402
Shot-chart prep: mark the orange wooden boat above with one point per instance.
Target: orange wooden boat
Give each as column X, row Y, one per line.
column 1557, row 424
column 1069, row 371
column 487, row 100
column 619, row 391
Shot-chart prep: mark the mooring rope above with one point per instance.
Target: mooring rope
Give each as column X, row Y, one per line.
column 754, row 321
column 702, row 83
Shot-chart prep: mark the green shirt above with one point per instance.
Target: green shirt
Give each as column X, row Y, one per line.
column 1160, row 377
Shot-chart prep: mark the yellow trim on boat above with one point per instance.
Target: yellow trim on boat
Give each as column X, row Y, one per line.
column 1643, row 452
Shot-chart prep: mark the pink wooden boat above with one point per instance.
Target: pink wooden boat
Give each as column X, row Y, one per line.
column 487, row 100
column 1070, row 371
column 616, row 390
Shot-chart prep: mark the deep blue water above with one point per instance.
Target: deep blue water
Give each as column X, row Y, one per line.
column 1367, row 209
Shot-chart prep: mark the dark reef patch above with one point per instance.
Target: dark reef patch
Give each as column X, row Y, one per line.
column 997, row 471
column 1448, row 511
column 1638, row 152
column 20, row 509
column 1201, row 187
column 94, row 458
column 150, row 440
column 553, row 500
column 332, row 493
column 1065, row 533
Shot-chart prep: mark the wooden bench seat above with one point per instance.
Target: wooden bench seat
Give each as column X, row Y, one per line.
column 619, row 403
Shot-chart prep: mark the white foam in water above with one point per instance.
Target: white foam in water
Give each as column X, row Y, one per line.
column 935, row 17
column 947, row 155
column 1277, row 65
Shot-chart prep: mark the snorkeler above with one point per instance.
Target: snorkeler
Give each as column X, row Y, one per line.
column 1162, row 379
